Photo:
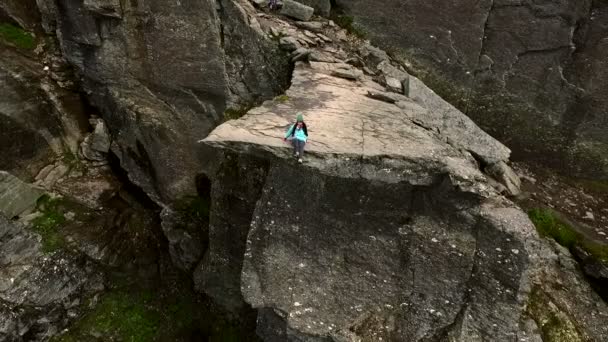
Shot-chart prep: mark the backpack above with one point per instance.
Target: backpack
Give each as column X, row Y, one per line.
column 293, row 132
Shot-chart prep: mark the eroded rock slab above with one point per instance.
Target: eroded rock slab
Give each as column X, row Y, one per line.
column 388, row 231
column 39, row 292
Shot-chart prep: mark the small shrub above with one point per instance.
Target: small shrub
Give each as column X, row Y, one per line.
column 17, row 36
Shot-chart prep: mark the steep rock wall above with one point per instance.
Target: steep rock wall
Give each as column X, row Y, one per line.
column 162, row 74
column 386, row 231
column 531, row 73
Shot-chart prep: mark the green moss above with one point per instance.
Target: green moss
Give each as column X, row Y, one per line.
column 132, row 311
column 17, row 36
column 348, row 23
column 118, row 316
column 549, row 225
column 48, row 223
column 281, row 98
column 555, row 325
column 236, row 113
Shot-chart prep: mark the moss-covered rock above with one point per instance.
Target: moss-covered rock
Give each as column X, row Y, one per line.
column 555, row 325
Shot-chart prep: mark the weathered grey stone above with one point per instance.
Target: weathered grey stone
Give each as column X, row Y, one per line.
column 187, row 240
column 373, row 55
column 506, row 176
column 96, row 145
column 289, row 43
column 496, row 60
column 321, row 7
column 393, row 85
column 297, row 10
column 450, row 122
column 399, row 238
column 314, row 26
column 16, row 197
column 110, row 8
column 300, row 54
column 38, row 121
column 172, row 83
column 348, row 73
column 39, row 291
column 382, row 96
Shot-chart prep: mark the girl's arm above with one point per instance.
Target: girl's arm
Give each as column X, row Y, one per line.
column 289, row 131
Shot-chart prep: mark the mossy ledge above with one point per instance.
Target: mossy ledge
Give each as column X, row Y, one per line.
column 549, row 225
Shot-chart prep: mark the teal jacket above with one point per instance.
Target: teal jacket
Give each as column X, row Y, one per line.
column 300, row 134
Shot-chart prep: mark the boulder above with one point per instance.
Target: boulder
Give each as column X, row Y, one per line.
column 393, row 85
column 96, row 145
column 314, row 26
column 297, row 10
column 16, row 197
column 289, row 43
column 506, row 176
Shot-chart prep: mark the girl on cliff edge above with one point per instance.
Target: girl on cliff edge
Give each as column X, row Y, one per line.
column 297, row 134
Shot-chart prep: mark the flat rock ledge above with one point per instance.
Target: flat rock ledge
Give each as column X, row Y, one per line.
column 389, row 231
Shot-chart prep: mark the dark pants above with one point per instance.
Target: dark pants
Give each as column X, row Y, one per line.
column 298, row 147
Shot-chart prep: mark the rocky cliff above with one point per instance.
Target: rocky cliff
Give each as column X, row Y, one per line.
column 532, row 73
column 389, row 230
column 394, row 228
column 162, row 73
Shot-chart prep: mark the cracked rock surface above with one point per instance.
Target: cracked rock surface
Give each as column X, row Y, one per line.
column 388, row 231
column 531, row 73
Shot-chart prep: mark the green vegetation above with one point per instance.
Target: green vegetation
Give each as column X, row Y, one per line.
column 131, row 313
column 48, row 223
column 17, row 36
column 72, row 161
column 236, row 113
column 118, row 315
column 281, row 98
column 348, row 23
column 549, row 225
column 555, row 326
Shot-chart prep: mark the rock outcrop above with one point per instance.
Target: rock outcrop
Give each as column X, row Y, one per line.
column 531, row 73
column 39, row 119
column 162, row 74
column 388, row 231
column 39, row 293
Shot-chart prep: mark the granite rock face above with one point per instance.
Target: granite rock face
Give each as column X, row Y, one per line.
column 389, row 230
column 162, row 73
column 531, row 73
column 39, row 119
column 39, row 293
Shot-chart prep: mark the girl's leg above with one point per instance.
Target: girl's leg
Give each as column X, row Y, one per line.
column 301, row 148
column 294, row 142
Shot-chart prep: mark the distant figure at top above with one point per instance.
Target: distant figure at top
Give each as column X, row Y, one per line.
column 298, row 134
column 273, row 4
